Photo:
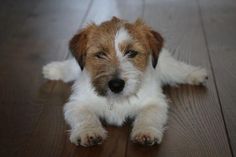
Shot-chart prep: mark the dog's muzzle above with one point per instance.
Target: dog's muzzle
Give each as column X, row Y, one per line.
column 116, row 85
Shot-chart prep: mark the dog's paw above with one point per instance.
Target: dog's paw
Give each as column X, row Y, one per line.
column 197, row 77
column 52, row 71
column 88, row 137
column 146, row 136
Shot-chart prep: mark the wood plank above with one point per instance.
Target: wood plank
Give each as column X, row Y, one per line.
column 219, row 23
column 103, row 10
column 13, row 17
column 195, row 126
column 31, row 117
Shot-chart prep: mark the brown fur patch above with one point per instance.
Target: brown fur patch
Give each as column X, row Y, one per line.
column 78, row 44
column 140, row 60
column 93, row 40
column 150, row 40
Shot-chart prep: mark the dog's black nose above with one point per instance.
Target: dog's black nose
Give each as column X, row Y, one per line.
column 116, row 85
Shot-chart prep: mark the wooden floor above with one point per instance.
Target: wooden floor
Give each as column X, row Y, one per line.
column 202, row 120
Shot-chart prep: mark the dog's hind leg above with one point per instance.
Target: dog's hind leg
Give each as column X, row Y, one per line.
column 66, row 71
column 172, row 71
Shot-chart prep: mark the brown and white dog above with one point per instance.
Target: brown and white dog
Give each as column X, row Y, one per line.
column 119, row 69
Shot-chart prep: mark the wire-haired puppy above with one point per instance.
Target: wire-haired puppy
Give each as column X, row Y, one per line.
column 119, row 69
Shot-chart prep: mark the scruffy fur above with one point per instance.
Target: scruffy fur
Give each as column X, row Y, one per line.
column 101, row 53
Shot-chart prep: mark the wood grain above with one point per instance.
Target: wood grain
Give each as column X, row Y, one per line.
column 43, row 37
column 114, row 145
column 219, row 25
column 195, row 126
column 35, row 32
column 103, row 10
column 31, row 121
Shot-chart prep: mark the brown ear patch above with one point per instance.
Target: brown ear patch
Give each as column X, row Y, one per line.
column 115, row 19
column 78, row 45
column 153, row 39
column 156, row 43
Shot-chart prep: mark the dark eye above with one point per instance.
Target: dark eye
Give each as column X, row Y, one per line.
column 100, row 55
column 131, row 53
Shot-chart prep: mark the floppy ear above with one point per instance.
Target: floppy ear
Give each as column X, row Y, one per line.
column 78, row 47
column 156, row 43
column 114, row 18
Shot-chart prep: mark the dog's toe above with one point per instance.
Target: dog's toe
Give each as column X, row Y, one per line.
column 146, row 137
column 87, row 137
column 52, row 71
column 98, row 140
column 91, row 140
column 197, row 77
column 94, row 140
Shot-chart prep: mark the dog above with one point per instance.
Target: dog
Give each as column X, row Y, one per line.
column 118, row 69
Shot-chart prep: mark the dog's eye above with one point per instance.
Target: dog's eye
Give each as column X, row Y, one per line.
column 131, row 53
column 100, row 55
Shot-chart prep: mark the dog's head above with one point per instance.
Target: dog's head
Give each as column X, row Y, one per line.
column 116, row 54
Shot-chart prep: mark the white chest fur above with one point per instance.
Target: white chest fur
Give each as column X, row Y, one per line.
column 115, row 110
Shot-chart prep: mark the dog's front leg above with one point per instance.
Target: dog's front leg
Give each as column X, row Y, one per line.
column 86, row 128
column 149, row 124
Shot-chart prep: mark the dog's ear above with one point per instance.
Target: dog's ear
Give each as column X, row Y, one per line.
column 156, row 42
column 78, row 47
column 116, row 19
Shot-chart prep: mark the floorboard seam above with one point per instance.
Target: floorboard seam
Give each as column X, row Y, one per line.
column 143, row 8
column 127, row 145
column 86, row 13
column 51, row 90
column 82, row 21
column 213, row 74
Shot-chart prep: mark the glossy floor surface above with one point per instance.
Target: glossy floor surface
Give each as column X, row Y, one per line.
column 202, row 120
